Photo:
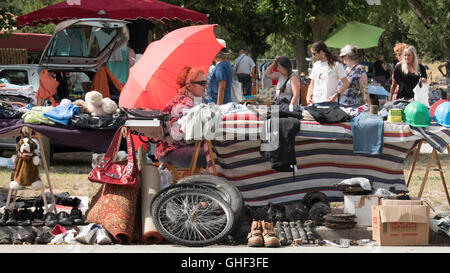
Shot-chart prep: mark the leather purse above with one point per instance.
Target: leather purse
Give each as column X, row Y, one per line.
column 110, row 172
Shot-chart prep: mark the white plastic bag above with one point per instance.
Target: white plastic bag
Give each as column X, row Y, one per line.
column 421, row 93
column 236, row 91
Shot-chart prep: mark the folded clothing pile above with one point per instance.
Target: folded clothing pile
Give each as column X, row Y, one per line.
column 339, row 220
column 355, row 186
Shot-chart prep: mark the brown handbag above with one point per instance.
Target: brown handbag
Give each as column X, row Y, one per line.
column 110, row 172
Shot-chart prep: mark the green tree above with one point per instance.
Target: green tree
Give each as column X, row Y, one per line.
column 7, row 20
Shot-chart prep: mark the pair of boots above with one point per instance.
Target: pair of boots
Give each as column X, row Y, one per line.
column 262, row 234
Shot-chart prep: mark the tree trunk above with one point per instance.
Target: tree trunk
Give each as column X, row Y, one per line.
column 298, row 46
column 444, row 40
column 418, row 10
column 320, row 27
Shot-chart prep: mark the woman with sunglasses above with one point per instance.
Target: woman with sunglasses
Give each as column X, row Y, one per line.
column 192, row 83
column 407, row 75
column 325, row 76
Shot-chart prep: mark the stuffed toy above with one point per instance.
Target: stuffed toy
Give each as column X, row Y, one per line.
column 99, row 106
column 82, row 106
column 26, row 163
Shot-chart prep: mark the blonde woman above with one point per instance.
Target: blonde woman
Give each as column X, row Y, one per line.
column 407, row 74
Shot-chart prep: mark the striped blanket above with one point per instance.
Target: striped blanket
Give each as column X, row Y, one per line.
column 324, row 158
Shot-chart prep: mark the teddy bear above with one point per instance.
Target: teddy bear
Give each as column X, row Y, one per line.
column 99, row 106
column 26, row 162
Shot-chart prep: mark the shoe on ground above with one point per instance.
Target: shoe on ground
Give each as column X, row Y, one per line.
column 5, row 239
column 255, row 238
column 287, row 231
column 88, row 234
column 12, row 218
column 270, row 240
column 44, row 238
column 64, row 219
column 17, row 239
column 24, row 217
column 70, row 236
column 76, row 216
column 4, row 218
column 281, row 234
column 102, row 236
column 29, row 237
column 38, row 217
column 58, row 239
column 50, row 220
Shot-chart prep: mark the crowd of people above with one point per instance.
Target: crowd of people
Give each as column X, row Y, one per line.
column 334, row 80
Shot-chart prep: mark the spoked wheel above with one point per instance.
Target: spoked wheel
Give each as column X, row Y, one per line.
column 193, row 217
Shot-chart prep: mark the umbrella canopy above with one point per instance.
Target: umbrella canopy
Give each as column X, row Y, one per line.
column 152, row 80
column 356, row 34
column 113, row 9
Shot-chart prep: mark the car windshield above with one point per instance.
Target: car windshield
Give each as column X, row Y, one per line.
column 81, row 41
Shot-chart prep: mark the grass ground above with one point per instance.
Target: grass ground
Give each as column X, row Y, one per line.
column 69, row 172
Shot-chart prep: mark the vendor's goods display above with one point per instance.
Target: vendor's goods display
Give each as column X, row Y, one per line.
column 110, row 172
column 192, row 214
column 416, row 114
column 442, row 114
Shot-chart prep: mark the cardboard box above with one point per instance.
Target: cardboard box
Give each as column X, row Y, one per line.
column 361, row 206
column 400, row 223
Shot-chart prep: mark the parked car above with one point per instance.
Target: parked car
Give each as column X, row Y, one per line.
column 77, row 47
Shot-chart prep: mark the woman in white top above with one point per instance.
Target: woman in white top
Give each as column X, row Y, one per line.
column 288, row 87
column 325, row 76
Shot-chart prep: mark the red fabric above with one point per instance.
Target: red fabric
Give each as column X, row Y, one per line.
column 115, row 9
column 275, row 69
column 33, row 42
column 47, row 87
column 115, row 209
column 240, row 116
column 435, row 105
column 162, row 147
column 152, row 80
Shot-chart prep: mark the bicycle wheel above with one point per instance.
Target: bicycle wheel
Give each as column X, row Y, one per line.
column 227, row 190
column 193, row 217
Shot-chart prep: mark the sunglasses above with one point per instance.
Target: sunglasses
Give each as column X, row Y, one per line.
column 202, row 83
column 314, row 53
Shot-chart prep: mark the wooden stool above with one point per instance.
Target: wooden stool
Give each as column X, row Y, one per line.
column 427, row 171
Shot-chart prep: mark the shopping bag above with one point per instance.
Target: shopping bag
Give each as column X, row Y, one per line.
column 236, row 91
column 421, row 93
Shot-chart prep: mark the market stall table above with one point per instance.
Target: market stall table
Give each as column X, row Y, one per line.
column 324, row 157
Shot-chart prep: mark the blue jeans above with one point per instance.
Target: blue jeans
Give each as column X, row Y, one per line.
column 181, row 157
column 246, row 81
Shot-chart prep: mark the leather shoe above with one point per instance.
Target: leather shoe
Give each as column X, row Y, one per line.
column 50, row 220
column 76, row 216
column 64, row 219
column 12, row 218
column 38, row 217
column 24, row 217
column 5, row 239
column 4, row 218
column 44, row 238
column 29, row 237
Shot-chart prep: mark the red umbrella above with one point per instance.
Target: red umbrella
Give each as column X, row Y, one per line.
column 113, row 9
column 151, row 82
